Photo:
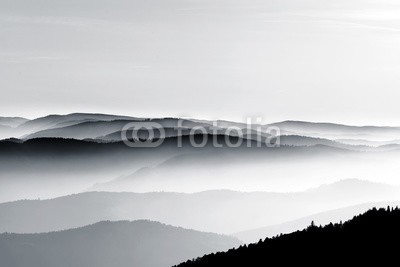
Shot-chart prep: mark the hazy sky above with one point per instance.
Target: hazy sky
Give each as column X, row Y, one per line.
column 319, row 60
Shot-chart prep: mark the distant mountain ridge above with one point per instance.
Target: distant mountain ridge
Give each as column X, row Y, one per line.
column 113, row 166
column 123, row 243
column 219, row 211
column 12, row 121
column 51, row 121
column 8, row 125
column 60, row 126
column 329, row 125
column 338, row 131
column 38, row 164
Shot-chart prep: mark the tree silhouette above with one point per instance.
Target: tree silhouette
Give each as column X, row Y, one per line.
column 366, row 239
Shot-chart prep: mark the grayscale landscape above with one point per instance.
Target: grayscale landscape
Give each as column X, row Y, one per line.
column 197, row 132
column 71, row 180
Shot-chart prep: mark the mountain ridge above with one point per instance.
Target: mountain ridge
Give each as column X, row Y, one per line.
column 106, row 243
column 219, row 211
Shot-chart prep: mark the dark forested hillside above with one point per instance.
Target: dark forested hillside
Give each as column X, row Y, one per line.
column 372, row 237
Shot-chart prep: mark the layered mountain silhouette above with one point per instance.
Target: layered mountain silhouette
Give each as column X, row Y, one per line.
column 366, row 239
column 123, row 243
column 57, row 121
column 338, row 131
column 12, row 121
column 86, row 174
column 38, row 163
column 42, row 167
column 219, row 211
column 287, row 168
column 8, row 125
column 106, row 127
column 103, row 130
column 363, row 142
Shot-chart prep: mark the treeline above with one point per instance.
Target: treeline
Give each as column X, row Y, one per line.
column 373, row 237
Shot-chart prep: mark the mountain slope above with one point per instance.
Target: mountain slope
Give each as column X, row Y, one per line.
column 12, row 121
column 51, row 121
column 139, row 243
column 268, row 169
column 368, row 238
column 45, row 127
column 36, row 167
column 95, row 129
column 8, row 125
column 338, row 131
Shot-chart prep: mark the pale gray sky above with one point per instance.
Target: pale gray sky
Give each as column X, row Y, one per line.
column 318, row 60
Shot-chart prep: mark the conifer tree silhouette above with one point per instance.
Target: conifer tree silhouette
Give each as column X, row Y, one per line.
column 364, row 240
